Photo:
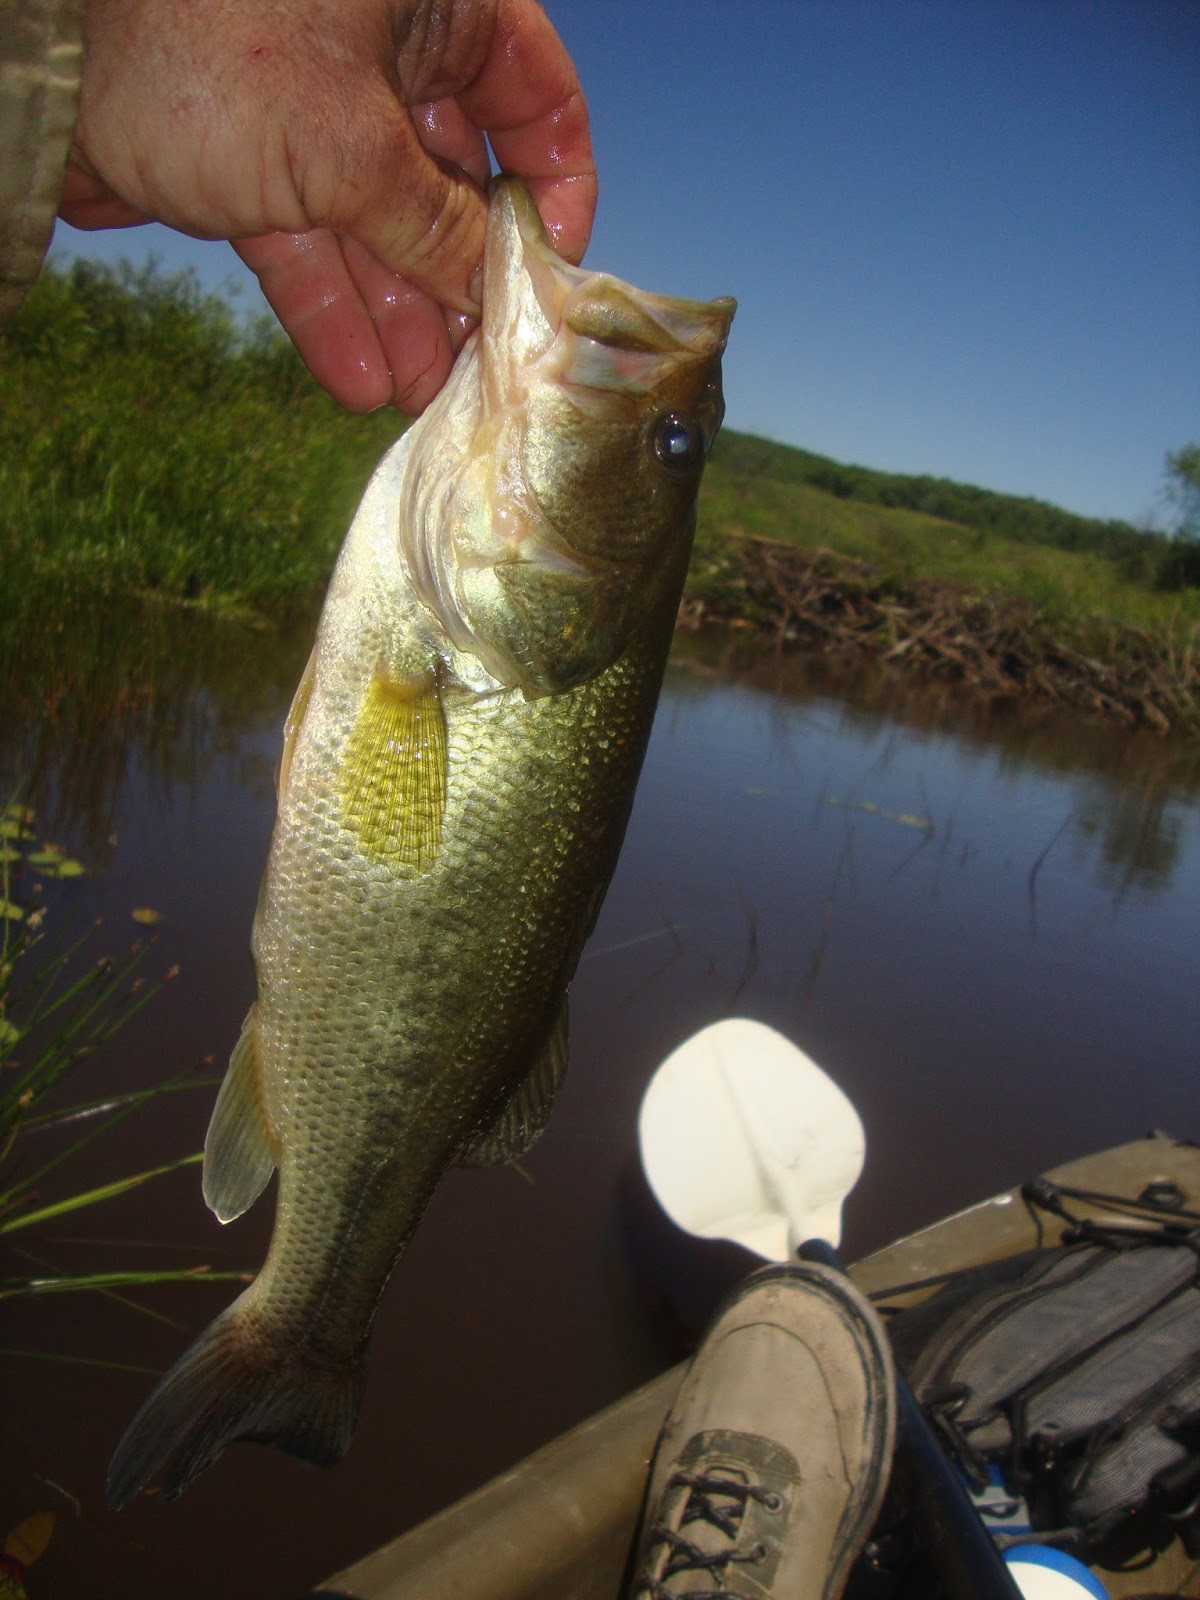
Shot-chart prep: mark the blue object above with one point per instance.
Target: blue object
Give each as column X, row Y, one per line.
column 1076, row 1578
column 1003, row 1512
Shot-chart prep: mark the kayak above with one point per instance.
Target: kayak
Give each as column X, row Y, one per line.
column 559, row 1524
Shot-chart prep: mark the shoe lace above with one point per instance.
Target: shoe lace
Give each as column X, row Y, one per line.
column 685, row 1556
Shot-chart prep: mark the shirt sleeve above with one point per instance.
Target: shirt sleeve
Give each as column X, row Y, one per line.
column 40, row 57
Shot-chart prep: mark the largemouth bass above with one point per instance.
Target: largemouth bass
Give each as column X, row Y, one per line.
column 458, row 769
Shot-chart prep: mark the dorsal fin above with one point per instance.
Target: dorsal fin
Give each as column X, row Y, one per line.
column 291, row 727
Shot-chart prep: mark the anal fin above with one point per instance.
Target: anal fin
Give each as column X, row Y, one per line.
column 240, row 1150
column 525, row 1116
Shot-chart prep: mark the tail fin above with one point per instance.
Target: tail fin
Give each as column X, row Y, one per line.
column 231, row 1385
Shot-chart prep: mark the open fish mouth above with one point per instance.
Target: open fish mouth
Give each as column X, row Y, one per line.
column 626, row 339
column 579, row 404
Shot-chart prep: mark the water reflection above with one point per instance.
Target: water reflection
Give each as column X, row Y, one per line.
column 1139, row 827
column 141, row 694
column 1132, row 792
column 982, row 925
column 119, row 694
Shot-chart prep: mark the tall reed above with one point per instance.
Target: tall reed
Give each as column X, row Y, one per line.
column 152, row 443
column 57, row 1010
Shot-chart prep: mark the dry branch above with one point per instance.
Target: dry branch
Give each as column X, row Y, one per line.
column 1003, row 647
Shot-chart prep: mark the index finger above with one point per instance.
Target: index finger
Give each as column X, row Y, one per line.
column 528, row 100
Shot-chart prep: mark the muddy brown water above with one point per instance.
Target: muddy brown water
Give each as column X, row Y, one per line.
column 984, row 927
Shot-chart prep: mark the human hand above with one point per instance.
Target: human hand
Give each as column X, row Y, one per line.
column 341, row 146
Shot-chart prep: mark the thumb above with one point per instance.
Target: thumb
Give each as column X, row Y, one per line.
column 420, row 218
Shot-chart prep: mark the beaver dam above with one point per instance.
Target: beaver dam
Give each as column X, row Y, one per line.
column 1003, row 647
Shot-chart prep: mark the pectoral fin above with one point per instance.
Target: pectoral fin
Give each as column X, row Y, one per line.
column 525, row 1116
column 393, row 786
column 240, row 1150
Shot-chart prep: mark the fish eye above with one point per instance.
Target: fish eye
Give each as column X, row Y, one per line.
column 679, row 443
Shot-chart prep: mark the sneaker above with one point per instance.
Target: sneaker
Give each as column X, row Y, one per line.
column 772, row 1462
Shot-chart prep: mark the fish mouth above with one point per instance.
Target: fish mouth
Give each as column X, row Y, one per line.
column 617, row 338
column 502, row 522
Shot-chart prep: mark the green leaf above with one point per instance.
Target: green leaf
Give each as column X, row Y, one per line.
column 12, row 912
column 9, row 1034
column 26, row 1543
column 49, row 857
column 8, row 854
column 67, row 868
column 131, row 1099
column 91, row 1197
column 121, row 1280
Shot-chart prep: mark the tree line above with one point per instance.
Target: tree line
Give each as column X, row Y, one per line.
column 1166, row 561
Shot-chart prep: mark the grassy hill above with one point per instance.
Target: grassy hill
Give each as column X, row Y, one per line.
column 1011, row 596
column 1068, row 566
column 151, row 445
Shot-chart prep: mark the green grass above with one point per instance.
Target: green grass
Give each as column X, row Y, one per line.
column 761, row 492
column 149, row 444
column 58, row 1009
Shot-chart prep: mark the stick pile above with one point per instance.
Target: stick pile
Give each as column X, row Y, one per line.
column 1003, row 647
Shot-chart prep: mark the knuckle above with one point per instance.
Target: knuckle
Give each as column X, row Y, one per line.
column 446, row 236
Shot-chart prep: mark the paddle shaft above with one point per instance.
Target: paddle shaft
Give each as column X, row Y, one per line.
column 957, row 1542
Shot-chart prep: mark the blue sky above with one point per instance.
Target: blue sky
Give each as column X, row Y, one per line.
column 964, row 237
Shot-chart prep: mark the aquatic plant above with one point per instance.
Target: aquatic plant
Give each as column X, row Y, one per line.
column 57, row 1009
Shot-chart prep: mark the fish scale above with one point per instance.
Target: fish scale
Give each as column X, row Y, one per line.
column 458, row 769
column 503, row 1001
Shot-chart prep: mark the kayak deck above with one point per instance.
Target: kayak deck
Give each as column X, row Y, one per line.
column 558, row 1525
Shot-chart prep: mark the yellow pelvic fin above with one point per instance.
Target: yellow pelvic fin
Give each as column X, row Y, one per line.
column 240, row 1150
column 393, row 786
column 291, row 727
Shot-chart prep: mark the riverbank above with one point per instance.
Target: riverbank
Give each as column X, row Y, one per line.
column 153, row 448
column 1001, row 646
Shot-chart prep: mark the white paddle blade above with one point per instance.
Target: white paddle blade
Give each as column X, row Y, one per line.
column 743, row 1137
